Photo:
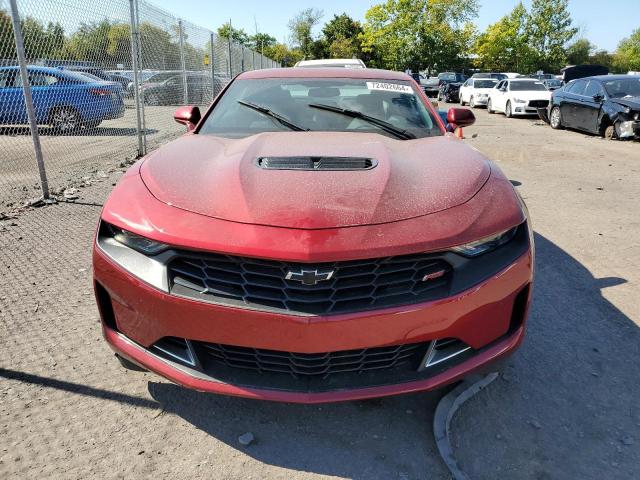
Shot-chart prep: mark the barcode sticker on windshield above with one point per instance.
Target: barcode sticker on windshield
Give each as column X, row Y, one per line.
column 390, row 87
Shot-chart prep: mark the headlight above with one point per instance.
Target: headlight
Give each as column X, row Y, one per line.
column 138, row 243
column 519, row 100
column 484, row 245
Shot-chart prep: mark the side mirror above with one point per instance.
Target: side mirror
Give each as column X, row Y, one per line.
column 460, row 117
column 188, row 115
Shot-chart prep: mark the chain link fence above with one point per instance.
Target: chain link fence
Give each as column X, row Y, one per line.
column 104, row 79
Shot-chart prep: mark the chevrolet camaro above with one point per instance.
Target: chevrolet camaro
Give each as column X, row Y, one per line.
column 317, row 235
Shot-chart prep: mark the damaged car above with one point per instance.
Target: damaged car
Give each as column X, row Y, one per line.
column 607, row 105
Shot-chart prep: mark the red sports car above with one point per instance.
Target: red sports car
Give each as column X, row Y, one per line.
column 316, row 236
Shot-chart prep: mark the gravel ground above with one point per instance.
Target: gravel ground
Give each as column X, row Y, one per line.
column 565, row 407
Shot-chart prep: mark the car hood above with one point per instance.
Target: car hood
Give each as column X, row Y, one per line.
column 631, row 102
column 219, row 177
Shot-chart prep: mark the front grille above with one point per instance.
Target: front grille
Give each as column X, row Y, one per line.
column 538, row 103
column 339, row 287
column 313, row 364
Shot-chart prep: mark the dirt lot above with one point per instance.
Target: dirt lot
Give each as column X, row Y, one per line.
column 566, row 406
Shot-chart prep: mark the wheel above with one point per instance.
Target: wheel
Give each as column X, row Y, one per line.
column 507, row 110
column 439, row 97
column 472, row 102
column 610, row 133
column 65, row 119
column 555, row 119
column 152, row 99
column 489, row 109
column 461, row 100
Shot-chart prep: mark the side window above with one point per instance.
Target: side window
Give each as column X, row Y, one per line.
column 594, row 88
column 470, row 83
column 37, row 79
column 578, row 87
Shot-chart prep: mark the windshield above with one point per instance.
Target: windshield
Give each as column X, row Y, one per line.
column 484, row 83
column 448, row 76
column 627, row 87
column 315, row 104
column 527, row 86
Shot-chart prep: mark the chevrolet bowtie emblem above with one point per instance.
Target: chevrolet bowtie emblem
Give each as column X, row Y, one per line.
column 309, row 276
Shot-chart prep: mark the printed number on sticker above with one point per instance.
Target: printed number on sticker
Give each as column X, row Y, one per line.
column 389, row 87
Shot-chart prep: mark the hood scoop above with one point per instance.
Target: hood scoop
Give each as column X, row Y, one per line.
column 316, row 163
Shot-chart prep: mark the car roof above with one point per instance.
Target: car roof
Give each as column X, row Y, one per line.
column 325, row 72
column 608, row 77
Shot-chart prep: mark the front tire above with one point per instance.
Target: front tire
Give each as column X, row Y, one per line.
column 489, row 109
column 507, row 111
column 555, row 119
column 472, row 102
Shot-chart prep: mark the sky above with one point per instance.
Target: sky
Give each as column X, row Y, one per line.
column 597, row 21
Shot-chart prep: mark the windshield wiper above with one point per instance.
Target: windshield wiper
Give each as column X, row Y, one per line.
column 270, row 113
column 386, row 126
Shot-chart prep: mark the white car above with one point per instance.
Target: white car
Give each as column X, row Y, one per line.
column 475, row 91
column 518, row 96
column 331, row 62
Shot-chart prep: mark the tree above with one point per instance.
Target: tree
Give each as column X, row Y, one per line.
column 504, row 46
column 301, row 27
column 578, row 52
column 238, row 35
column 261, row 40
column 602, row 57
column 627, row 56
column 341, row 37
column 282, row 54
column 418, row 34
column 549, row 29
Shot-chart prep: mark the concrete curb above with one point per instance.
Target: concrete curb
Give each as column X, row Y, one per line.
column 446, row 409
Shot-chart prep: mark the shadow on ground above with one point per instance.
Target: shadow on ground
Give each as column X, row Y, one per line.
column 567, row 404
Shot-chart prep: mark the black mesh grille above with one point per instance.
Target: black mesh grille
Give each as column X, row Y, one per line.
column 316, row 163
column 353, row 285
column 314, row 365
column 538, row 103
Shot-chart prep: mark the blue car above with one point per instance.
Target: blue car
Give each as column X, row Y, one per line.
column 63, row 99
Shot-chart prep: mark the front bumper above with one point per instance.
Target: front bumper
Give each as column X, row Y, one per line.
column 489, row 317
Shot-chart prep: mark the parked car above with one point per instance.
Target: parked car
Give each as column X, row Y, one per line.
column 64, row 99
column 101, row 74
column 318, row 236
column 542, row 76
column 450, row 92
column 607, row 105
column 552, row 83
column 518, row 96
column 511, row 74
column 475, row 91
column 331, row 62
column 495, row 76
column 171, row 90
column 431, row 86
column 451, row 77
column 582, row 71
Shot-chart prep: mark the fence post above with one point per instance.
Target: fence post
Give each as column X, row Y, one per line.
column 229, row 57
column 242, row 58
column 28, row 99
column 183, row 64
column 136, row 79
column 140, row 68
column 253, row 59
column 213, row 67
